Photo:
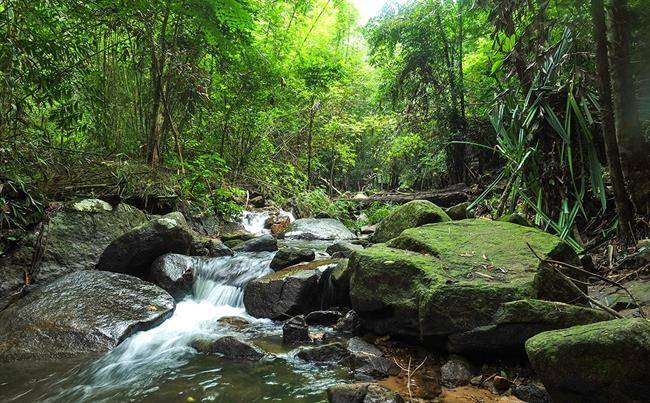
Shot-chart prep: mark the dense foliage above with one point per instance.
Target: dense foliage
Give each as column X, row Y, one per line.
column 205, row 99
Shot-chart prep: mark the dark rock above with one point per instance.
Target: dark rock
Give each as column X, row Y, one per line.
column 368, row 361
column 410, row 215
column 294, row 290
column 75, row 238
column 458, row 212
column 362, row 393
column 174, row 273
column 209, row 247
column 317, row 228
column 257, row 202
column 601, row 362
column 323, row 318
column 237, row 234
column 531, row 393
column 455, row 372
column 264, row 243
column 517, row 321
column 500, row 383
column 230, row 348
column 233, row 243
column 343, row 249
column 134, row 252
column 336, row 290
column 368, row 229
column 333, row 352
column 295, row 330
column 290, row 256
column 350, row 323
column 79, row 313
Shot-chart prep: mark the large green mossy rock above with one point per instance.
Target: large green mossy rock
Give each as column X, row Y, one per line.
column 452, row 277
column 410, row 215
column 602, row 362
column 517, row 321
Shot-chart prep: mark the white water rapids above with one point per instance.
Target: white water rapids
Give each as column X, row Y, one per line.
column 254, row 221
column 136, row 363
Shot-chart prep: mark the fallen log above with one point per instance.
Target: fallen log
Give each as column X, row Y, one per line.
column 447, row 197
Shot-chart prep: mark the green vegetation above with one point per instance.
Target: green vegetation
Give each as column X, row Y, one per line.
column 542, row 106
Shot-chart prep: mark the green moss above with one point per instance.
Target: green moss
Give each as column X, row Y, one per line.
column 410, row 215
column 605, row 361
column 539, row 311
column 452, row 276
column 515, row 218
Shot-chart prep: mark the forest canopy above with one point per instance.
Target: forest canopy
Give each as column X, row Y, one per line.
column 543, row 106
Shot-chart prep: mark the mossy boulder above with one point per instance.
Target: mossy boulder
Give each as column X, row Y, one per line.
column 410, row 215
column 452, row 277
column 515, row 218
column 291, row 291
column 73, row 240
column 517, row 321
column 601, row 362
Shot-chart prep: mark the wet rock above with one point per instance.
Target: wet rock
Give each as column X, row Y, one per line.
column 174, row 273
column 264, row 243
column 291, row 291
column 362, row 393
column 342, row 249
column 332, row 353
column 257, row 201
column 368, row 362
column 208, row 247
column 295, row 330
column 452, row 277
column 458, row 212
column 230, row 348
column 517, row 321
column 455, row 372
column 290, row 256
column 500, row 384
column 337, row 287
column 368, row 229
column 531, row 393
column 134, row 252
column 410, row 215
column 601, row 362
column 79, row 313
column 75, row 238
column 323, row 318
column 234, row 321
column 619, row 300
column 279, row 224
column 237, row 234
column 350, row 323
column 317, row 228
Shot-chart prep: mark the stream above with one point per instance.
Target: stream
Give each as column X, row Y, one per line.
column 160, row 364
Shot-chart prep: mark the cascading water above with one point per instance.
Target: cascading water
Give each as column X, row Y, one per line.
column 160, row 364
column 254, row 221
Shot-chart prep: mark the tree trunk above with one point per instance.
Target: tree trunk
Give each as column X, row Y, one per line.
column 312, row 112
column 157, row 117
column 634, row 150
column 624, row 207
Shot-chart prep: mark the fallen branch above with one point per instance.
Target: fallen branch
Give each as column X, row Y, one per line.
column 409, row 373
column 590, row 299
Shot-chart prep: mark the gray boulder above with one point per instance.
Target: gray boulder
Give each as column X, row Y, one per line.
column 318, row 228
column 135, row 251
column 323, row 318
column 455, row 372
column 229, row 348
column 332, row 353
column 292, row 291
column 290, row 256
column 174, row 273
column 362, row 393
column 79, row 313
column 264, row 243
column 368, row 362
column 73, row 240
column 342, row 249
column 295, row 330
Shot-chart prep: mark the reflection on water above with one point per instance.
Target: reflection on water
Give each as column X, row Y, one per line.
column 160, row 365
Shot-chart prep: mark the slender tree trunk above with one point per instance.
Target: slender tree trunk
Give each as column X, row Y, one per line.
column 624, row 207
column 312, row 112
column 157, row 117
column 634, row 150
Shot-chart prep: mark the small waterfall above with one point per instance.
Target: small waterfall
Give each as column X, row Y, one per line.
column 254, row 221
column 139, row 361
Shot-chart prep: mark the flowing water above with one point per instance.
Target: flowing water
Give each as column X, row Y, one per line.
column 160, row 365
